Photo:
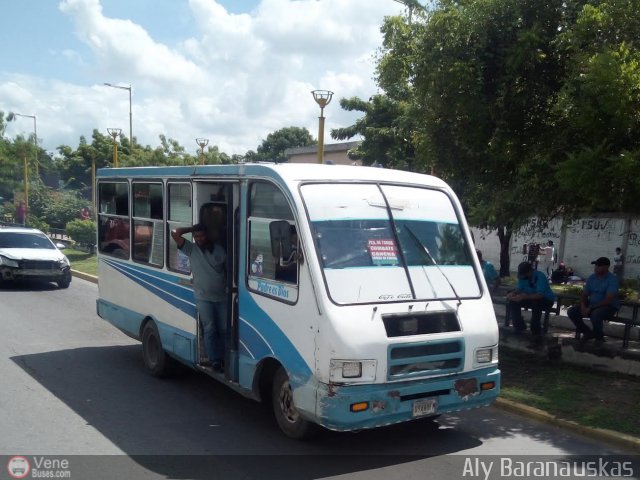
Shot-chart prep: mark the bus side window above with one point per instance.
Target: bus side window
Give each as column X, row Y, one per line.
column 268, row 206
column 179, row 212
column 148, row 223
column 113, row 219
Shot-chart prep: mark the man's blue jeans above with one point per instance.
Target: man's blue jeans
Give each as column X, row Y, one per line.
column 598, row 316
column 213, row 316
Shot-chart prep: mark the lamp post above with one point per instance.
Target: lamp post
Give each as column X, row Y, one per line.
column 93, row 184
column 130, row 113
column 35, row 137
column 322, row 98
column 26, row 188
column 114, row 132
column 202, row 142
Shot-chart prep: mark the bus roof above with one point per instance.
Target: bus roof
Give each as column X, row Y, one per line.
column 289, row 172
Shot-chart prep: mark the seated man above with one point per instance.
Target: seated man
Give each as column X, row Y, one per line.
column 561, row 274
column 599, row 301
column 490, row 275
column 532, row 291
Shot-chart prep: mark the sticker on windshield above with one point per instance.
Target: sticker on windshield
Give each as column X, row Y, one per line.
column 383, row 252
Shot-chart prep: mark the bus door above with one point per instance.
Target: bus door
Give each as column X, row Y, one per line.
column 217, row 204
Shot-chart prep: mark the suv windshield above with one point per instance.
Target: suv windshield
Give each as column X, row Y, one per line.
column 25, row 240
column 388, row 243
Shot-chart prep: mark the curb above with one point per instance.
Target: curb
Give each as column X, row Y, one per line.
column 84, row 276
column 621, row 439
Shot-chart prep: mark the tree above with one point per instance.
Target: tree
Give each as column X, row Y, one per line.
column 517, row 105
column 597, row 110
column 486, row 76
column 272, row 149
column 388, row 126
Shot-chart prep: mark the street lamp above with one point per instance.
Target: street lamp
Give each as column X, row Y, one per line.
column 202, row 142
column 35, row 137
column 322, row 98
column 130, row 114
column 114, row 132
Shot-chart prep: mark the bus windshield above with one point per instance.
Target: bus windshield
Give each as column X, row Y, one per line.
column 388, row 243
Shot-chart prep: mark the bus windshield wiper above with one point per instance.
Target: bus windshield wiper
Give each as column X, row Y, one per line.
column 433, row 260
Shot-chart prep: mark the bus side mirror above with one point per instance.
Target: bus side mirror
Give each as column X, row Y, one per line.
column 280, row 232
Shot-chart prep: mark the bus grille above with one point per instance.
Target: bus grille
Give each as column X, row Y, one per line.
column 427, row 358
column 420, row 323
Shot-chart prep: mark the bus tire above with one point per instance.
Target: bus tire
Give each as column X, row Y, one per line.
column 155, row 358
column 287, row 416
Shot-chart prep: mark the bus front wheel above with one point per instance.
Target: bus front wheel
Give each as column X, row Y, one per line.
column 289, row 419
column 154, row 356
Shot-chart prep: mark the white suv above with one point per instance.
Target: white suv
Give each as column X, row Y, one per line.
column 27, row 253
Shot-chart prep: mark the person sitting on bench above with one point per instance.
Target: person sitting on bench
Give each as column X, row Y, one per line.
column 532, row 291
column 599, row 302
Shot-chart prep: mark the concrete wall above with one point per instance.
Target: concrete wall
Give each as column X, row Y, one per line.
column 577, row 243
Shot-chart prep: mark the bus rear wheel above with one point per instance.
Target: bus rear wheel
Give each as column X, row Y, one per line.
column 287, row 416
column 155, row 359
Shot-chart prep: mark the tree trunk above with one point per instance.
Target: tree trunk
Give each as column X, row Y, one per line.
column 504, row 234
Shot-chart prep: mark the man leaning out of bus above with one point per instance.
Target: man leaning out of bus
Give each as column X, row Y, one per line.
column 532, row 291
column 207, row 259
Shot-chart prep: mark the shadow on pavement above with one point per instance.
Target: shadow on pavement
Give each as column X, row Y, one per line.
column 190, row 424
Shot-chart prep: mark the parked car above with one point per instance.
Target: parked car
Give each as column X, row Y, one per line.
column 27, row 253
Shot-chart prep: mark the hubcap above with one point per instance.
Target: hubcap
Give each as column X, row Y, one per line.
column 286, row 403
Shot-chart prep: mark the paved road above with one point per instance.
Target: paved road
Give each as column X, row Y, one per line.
column 73, row 385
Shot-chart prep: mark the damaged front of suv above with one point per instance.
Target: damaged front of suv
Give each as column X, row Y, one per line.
column 28, row 254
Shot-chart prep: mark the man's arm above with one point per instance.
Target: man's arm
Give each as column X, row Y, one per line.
column 177, row 234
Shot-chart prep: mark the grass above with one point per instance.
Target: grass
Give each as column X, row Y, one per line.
column 82, row 261
column 586, row 396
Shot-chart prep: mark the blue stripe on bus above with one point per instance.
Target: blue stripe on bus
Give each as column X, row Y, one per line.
column 176, row 295
column 261, row 338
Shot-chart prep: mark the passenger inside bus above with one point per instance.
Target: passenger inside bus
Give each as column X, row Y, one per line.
column 115, row 237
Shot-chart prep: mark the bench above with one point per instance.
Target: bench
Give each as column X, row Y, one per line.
column 555, row 309
column 628, row 322
column 568, row 300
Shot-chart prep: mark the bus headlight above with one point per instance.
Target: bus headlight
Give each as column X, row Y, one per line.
column 352, row 370
column 487, row 355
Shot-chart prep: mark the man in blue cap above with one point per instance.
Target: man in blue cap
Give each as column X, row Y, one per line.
column 532, row 291
column 599, row 301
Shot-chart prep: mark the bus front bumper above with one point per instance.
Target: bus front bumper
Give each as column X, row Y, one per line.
column 355, row 407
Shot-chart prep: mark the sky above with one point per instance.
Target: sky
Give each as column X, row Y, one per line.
column 231, row 71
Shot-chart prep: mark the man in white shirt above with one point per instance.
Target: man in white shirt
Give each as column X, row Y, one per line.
column 549, row 258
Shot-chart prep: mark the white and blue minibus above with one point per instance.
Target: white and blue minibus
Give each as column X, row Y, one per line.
column 355, row 297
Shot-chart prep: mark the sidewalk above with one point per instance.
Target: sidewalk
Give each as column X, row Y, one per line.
column 560, row 343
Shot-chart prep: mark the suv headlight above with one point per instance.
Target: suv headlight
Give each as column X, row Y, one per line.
column 64, row 262
column 8, row 262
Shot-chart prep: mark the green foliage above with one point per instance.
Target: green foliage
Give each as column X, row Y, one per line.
column 525, row 108
column 36, row 222
column 82, row 232
column 272, row 149
column 55, row 207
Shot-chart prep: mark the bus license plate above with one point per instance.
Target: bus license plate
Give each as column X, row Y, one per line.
column 425, row 406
